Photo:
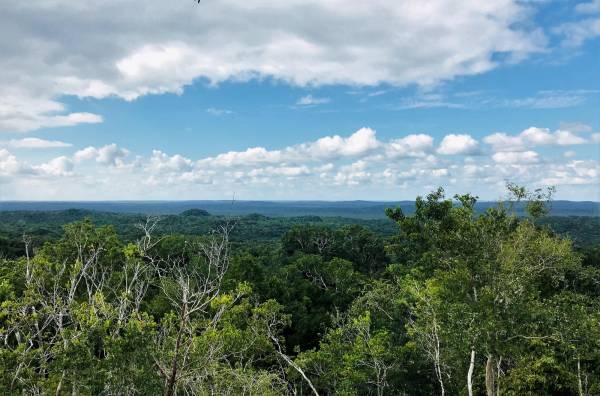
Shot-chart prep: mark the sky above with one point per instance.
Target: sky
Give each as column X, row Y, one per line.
column 297, row 99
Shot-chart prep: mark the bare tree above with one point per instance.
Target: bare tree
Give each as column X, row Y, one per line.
column 190, row 288
column 273, row 324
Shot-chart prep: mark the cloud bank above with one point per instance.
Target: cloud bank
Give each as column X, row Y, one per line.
column 358, row 163
column 128, row 48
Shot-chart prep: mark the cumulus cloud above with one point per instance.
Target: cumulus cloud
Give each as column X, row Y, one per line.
column 440, row 172
column 457, row 144
column 353, row 174
column 576, row 172
column 287, row 171
column 253, row 155
column 335, row 166
column 532, row 137
column 60, row 166
column 139, row 53
column 110, row 154
column 10, row 166
column 410, row 146
column 516, row 157
column 360, row 142
column 161, row 162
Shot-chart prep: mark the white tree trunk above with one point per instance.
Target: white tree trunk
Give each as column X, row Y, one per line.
column 579, row 384
column 470, row 373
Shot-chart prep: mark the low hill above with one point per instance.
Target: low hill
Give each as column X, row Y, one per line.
column 349, row 209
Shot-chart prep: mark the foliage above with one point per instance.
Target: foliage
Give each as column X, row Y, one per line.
column 456, row 301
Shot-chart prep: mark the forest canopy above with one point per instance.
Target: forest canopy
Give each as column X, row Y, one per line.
column 450, row 301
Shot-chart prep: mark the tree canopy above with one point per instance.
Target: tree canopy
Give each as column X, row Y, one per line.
column 454, row 302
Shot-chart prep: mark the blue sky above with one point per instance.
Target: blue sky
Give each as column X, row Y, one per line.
column 300, row 100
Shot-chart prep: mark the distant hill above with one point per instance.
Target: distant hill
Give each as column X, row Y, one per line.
column 349, row 209
column 48, row 225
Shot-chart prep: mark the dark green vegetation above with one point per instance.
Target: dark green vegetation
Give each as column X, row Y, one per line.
column 48, row 225
column 352, row 209
column 446, row 300
column 45, row 226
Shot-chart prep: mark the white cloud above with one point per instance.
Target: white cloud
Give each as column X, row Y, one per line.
column 516, row 157
column 60, row 166
column 413, row 104
column 360, row 142
column 575, row 127
column 551, row 99
column 547, row 101
column 537, row 136
column 595, row 137
column 576, row 172
column 502, row 141
column 567, row 138
column 379, row 92
column 324, row 168
column 253, row 155
column 287, row 171
column 10, row 166
column 440, row 172
column 532, row 137
column 339, row 167
column 353, row 174
column 36, row 143
column 155, row 47
column 20, row 113
column 591, row 7
column 410, row 146
column 457, row 144
column 110, row 154
column 574, row 34
column 310, row 100
column 544, row 99
column 218, row 112
column 161, row 162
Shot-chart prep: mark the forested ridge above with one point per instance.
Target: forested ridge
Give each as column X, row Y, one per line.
column 446, row 300
column 47, row 225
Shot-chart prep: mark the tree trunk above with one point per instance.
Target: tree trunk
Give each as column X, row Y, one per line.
column 170, row 388
column 438, row 370
column 59, row 386
column 579, row 384
column 470, row 373
column 289, row 361
column 498, row 374
column 490, row 376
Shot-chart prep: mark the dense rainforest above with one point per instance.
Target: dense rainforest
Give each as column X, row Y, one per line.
column 47, row 225
column 445, row 300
